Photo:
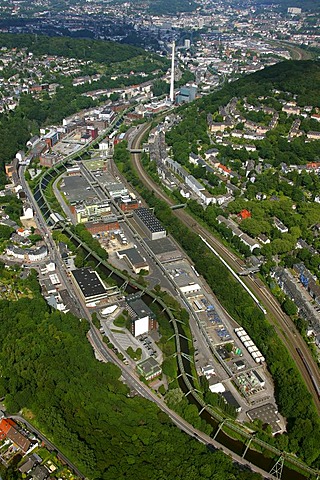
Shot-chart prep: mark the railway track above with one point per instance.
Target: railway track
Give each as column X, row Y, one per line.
column 282, row 323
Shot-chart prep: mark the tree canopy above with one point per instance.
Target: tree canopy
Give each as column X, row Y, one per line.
column 96, row 50
column 49, row 370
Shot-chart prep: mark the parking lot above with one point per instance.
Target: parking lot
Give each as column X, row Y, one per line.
column 122, row 339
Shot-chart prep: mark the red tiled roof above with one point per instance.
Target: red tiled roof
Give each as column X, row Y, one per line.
column 313, row 165
column 224, row 168
column 5, row 425
column 245, row 214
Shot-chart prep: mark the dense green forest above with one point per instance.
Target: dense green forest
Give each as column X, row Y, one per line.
column 300, row 78
column 164, row 7
column 171, row 7
column 293, row 399
column 95, row 50
column 48, row 369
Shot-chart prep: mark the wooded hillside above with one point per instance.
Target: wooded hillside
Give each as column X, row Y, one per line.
column 48, row 368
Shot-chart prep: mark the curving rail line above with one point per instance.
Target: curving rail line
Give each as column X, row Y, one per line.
column 244, row 434
column 281, row 322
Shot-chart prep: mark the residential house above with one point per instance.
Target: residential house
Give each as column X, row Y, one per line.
column 280, row 226
column 250, row 242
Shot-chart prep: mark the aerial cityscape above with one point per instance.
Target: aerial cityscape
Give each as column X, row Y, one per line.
column 160, row 240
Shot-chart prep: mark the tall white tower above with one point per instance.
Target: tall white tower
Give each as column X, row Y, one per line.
column 172, row 73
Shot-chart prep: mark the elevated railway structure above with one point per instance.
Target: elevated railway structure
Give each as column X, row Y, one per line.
column 245, row 434
column 285, row 328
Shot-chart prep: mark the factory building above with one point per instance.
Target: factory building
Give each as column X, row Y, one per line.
column 186, row 94
column 149, row 223
column 90, row 285
column 149, row 368
column 109, row 224
column 92, row 210
column 135, row 261
column 143, row 319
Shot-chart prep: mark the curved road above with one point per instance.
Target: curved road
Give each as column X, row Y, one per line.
column 144, row 391
column 128, row 376
column 281, row 322
column 131, row 379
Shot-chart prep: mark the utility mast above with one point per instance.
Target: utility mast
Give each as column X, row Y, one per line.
column 172, row 73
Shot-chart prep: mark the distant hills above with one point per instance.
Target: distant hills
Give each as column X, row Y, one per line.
column 313, row 5
column 96, row 50
column 158, row 7
column 161, row 7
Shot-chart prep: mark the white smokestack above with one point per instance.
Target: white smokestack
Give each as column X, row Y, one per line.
column 172, row 74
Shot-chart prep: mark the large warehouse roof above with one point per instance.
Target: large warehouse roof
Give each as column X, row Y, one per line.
column 89, row 282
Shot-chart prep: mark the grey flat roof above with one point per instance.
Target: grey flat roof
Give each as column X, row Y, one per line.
column 267, row 414
column 46, row 282
column 114, row 186
column 133, row 255
column 74, row 182
column 230, row 399
column 76, row 187
column 149, row 365
column 162, row 245
column 89, row 282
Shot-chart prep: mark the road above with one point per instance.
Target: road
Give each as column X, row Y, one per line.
column 128, row 375
column 54, row 255
column 296, row 52
column 61, row 200
column 283, row 325
column 144, row 391
column 41, row 223
column 50, row 445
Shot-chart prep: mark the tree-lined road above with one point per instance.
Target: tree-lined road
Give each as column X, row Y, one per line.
column 50, row 445
column 132, row 381
column 130, row 377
